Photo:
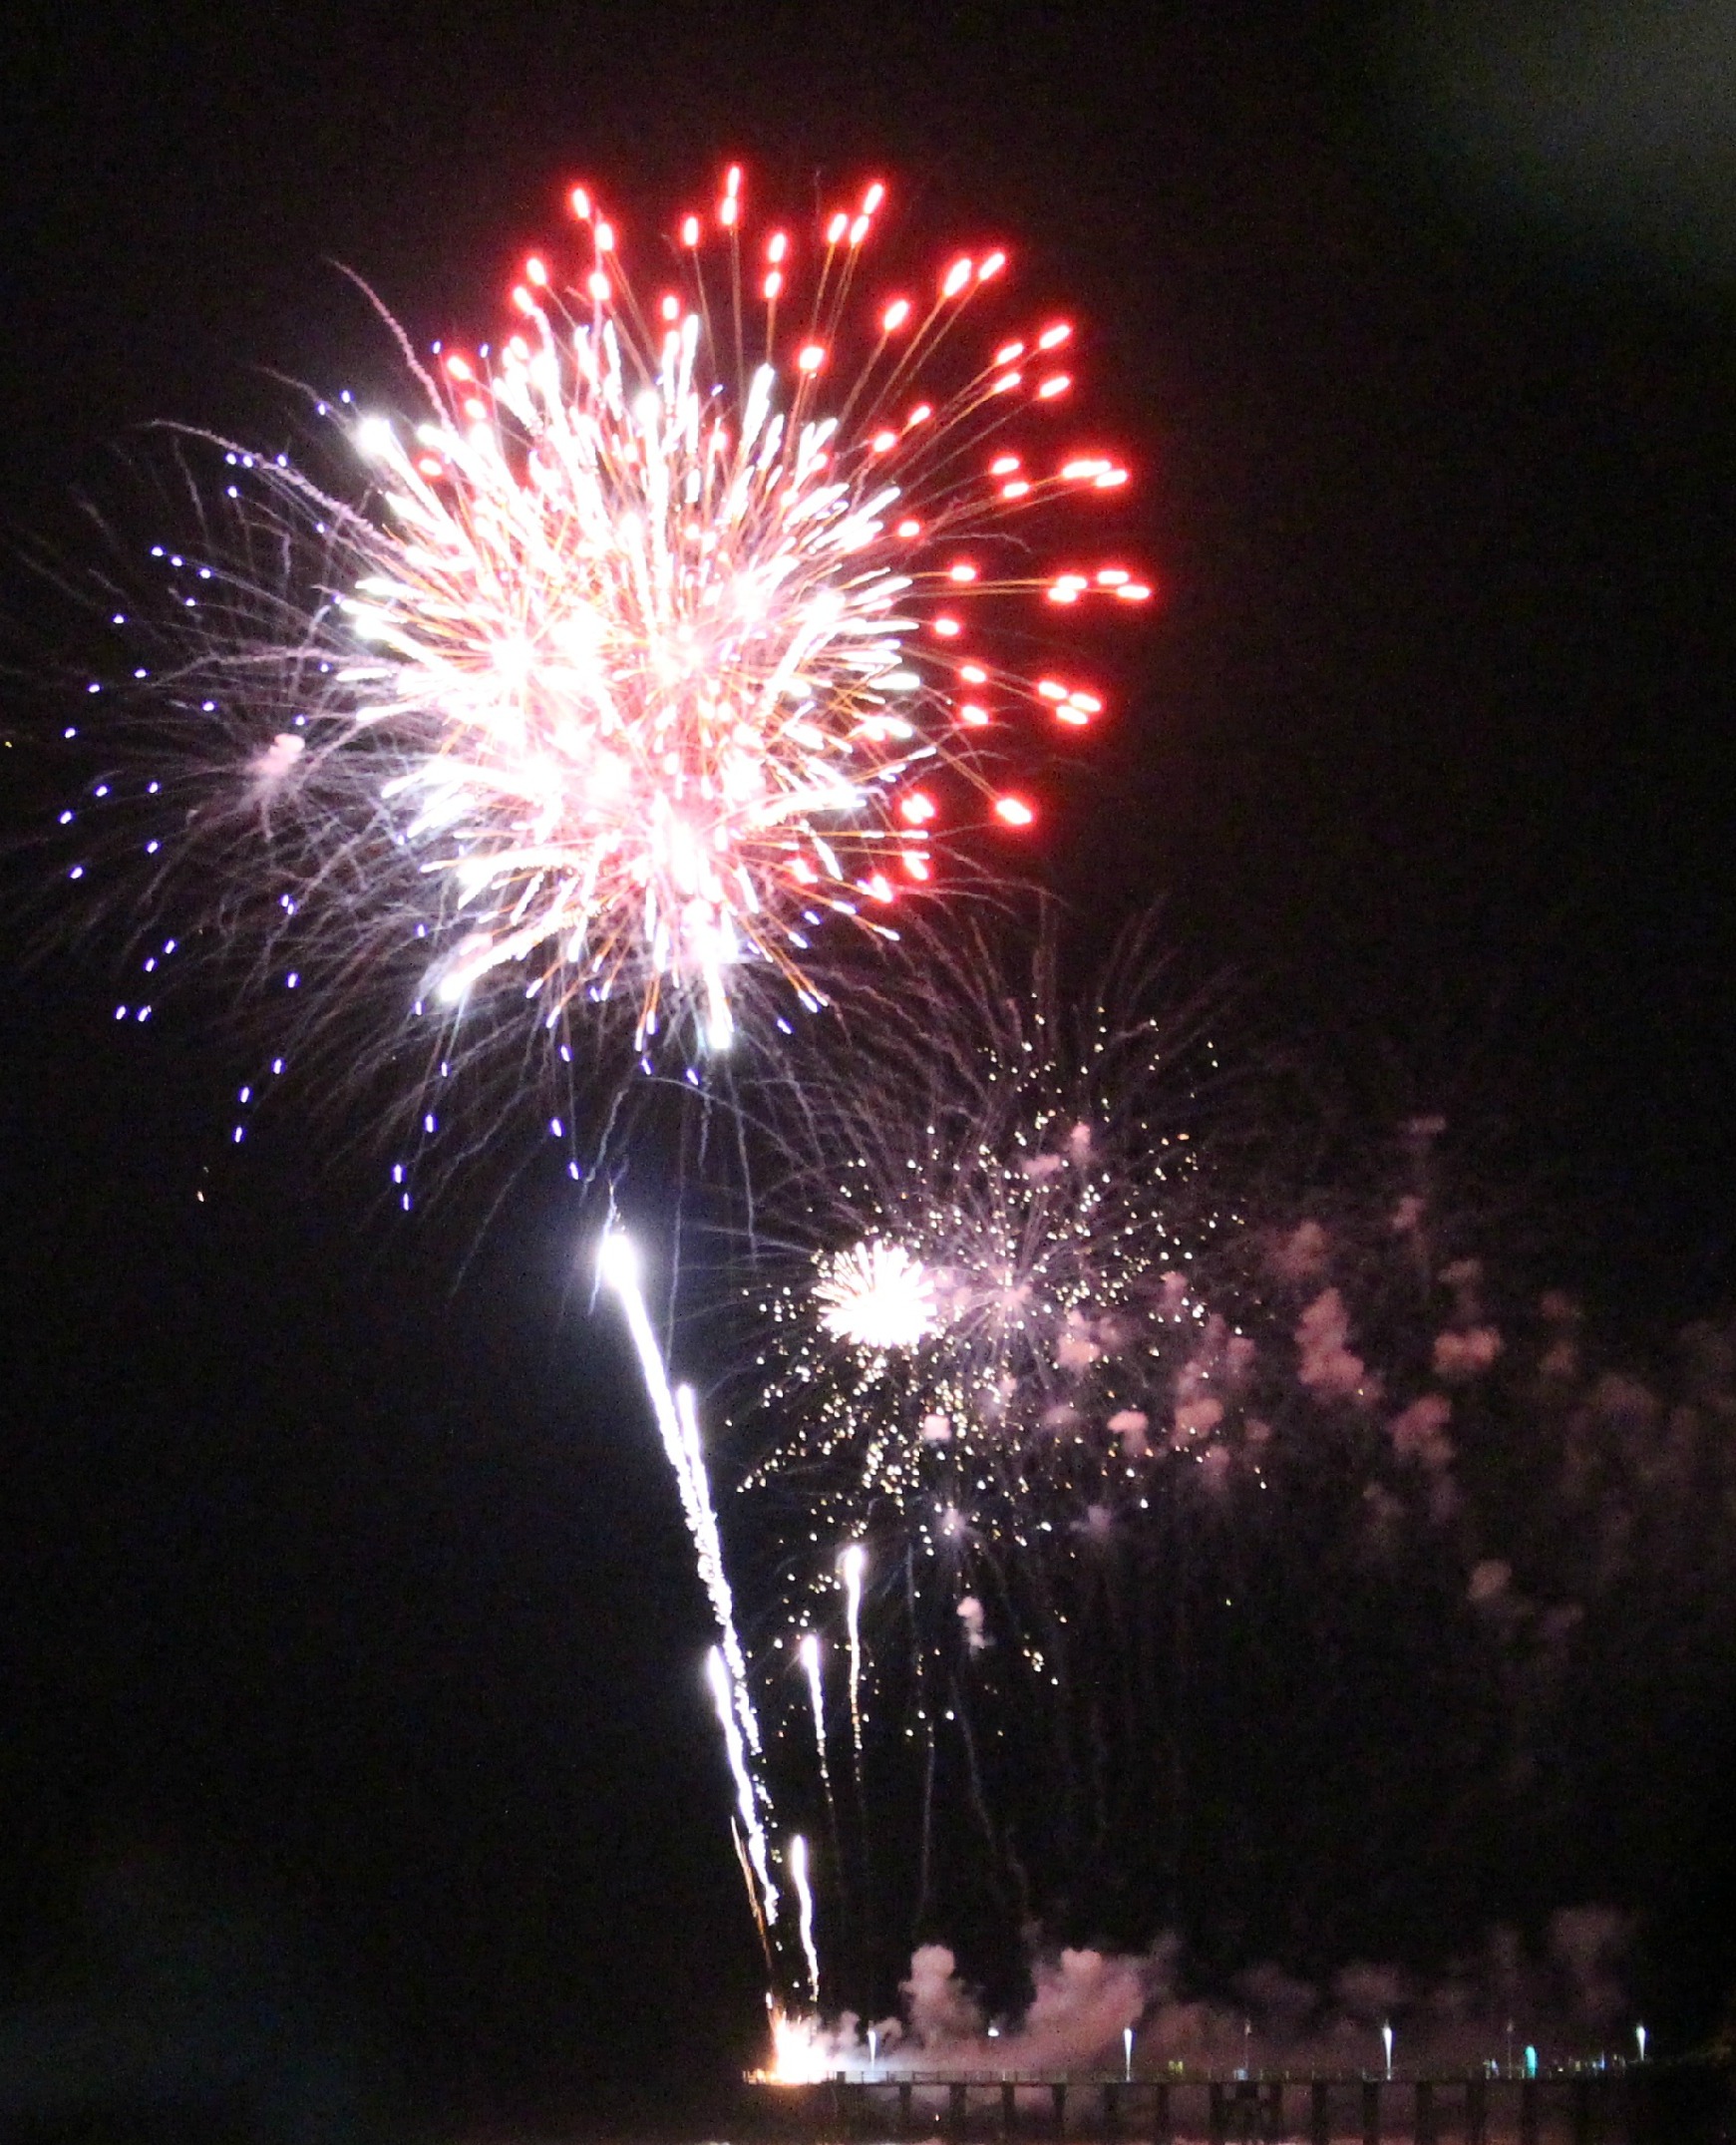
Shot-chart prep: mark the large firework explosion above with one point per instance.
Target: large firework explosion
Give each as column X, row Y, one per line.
column 650, row 641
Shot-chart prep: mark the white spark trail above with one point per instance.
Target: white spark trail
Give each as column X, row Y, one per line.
column 702, row 1520
column 717, row 1676
column 798, row 1867
column 678, row 1424
column 852, row 1565
column 809, row 1654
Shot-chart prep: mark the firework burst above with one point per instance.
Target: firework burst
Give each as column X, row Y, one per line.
column 1004, row 1307
column 660, row 638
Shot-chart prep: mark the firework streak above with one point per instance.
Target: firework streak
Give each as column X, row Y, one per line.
column 678, row 1423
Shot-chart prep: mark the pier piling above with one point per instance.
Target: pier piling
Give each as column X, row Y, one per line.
column 1216, row 2114
column 1476, row 2111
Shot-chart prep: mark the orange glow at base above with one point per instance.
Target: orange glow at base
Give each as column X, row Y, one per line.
column 799, row 2056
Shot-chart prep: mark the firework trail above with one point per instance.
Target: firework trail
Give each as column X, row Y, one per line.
column 678, row 1424
column 811, row 1668
column 725, row 1699
column 852, row 1565
column 618, row 1266
column 796, row 1864
column 665, row 638
column 851, row 1570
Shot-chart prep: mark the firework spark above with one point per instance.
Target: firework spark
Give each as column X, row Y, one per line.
column 666, row 635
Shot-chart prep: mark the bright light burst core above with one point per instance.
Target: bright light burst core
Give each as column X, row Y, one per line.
column 876, row 1295
column 801, row 2051
column 655, row 652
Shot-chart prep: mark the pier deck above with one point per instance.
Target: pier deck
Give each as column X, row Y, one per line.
column 1619, row 2104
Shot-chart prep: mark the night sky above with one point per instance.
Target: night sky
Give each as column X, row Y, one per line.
column 343, row 1598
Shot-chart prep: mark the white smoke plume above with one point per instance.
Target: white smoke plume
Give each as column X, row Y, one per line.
column 939, row 2012
column 1564, row 1996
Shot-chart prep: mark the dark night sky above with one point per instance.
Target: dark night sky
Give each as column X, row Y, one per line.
column 337, row 1564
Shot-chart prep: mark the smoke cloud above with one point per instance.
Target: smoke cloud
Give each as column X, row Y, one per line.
column 1564, row 1996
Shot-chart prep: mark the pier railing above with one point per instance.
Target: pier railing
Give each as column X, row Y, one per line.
column 1574, row 2104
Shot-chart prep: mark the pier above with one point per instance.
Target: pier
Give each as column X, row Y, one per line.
column 1617, row 2104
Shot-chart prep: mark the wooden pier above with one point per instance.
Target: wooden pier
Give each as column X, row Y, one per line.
column 1619, row 2104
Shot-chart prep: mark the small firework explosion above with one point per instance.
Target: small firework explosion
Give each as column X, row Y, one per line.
column 992, row 1346
column 874, row 1295
column 1012, row 1311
